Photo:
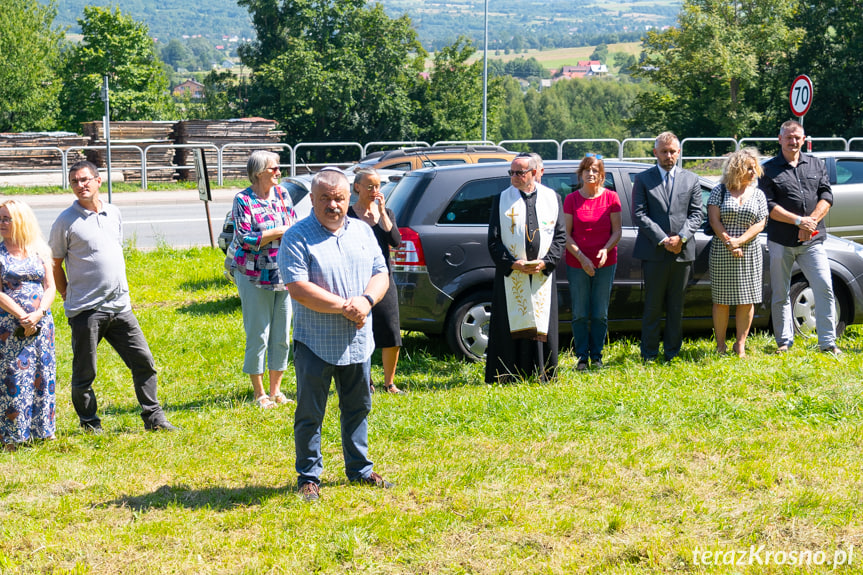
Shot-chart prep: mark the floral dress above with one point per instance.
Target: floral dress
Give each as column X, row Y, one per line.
column 27, row 368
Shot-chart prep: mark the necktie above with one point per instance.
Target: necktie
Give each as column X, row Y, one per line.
column 667, row 184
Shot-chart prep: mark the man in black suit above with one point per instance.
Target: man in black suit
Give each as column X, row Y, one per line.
column 666, row 205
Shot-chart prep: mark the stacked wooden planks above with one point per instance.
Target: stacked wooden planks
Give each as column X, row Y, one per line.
column 140, row 134
column 29, row 161
column 220, row 132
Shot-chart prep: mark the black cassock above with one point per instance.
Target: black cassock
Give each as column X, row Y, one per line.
column 509, row 359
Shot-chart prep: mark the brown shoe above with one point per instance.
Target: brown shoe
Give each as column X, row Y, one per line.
column 374, row 480
column 310, row 492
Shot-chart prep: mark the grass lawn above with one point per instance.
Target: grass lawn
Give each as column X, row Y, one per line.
column 628, row 470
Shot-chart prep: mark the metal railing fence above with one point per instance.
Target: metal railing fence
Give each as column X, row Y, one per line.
column 623, row 147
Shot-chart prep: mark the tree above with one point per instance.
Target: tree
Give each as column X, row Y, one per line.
column 119, row 47
column 204, row 54
column 830, row 56
column 720, row 69
column 525, row 68
column 514, row 123
column 450, row 105
column 29, row 56
column 333, row 69
column 177, row 54
column 223, row 96
column 600, row 53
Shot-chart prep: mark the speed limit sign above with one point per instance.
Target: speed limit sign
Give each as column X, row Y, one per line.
column 801, row 95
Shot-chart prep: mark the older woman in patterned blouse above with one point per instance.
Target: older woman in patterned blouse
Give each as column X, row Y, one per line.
column 262, row 214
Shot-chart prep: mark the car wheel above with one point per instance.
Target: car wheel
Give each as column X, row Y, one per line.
column 803, row 309
column 467, row 328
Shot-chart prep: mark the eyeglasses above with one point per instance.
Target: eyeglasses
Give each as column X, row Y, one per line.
column 81, row 181
column 273, row 170
column 5, row 220
column 520, row 173
column 592, row 155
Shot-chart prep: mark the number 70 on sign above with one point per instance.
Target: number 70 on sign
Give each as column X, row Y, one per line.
column 801, row 95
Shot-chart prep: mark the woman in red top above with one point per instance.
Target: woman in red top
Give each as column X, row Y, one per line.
column 593, row 228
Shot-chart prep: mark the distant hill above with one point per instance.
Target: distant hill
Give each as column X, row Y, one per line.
column 513, row 24
column 213, row 19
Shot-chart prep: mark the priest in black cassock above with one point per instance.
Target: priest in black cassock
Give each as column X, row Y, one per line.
column 526, row 238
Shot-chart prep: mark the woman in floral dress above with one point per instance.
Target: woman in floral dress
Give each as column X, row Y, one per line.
column 27, row 368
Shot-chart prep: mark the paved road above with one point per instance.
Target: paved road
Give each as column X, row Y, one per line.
column 176, row 218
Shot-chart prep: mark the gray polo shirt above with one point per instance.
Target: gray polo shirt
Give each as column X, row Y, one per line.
column 91, row 243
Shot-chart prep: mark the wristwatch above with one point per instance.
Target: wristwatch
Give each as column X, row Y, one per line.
column 797, row 221
column 370, row 299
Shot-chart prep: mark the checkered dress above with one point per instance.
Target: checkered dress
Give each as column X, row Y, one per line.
column 737, row 281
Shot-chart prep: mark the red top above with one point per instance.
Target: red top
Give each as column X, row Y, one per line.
column 591, row 224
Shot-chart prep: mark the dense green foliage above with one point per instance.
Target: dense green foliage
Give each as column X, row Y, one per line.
column 119, row 47
column 224, row 97
column 518, row 68
column 579, row 108
column 29, row 57
column 723, row 69
column 332, row 70
column 194, row 54
column 450, row 103
column 831, row 57
column 345, row 71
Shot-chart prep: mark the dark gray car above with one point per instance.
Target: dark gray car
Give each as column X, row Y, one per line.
column 444, row 274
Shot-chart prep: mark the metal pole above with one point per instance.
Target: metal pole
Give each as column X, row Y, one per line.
column 106, row 125
column 485, row 78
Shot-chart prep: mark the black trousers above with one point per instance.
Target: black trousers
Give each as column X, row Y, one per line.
column 122, row 332
column 664, row 289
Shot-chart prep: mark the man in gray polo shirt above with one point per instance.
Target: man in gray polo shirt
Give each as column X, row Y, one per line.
column 88, row 238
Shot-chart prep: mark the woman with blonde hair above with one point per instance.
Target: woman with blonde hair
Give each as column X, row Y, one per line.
column 27, row 368
column 737, row 210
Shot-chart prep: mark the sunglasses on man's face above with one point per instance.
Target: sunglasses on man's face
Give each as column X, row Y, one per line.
column 520, row 173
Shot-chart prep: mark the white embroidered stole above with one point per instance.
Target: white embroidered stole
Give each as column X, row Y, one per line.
column 528, row 297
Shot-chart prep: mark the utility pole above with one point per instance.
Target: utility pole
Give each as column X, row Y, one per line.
column 106, row 125
column 485, row 79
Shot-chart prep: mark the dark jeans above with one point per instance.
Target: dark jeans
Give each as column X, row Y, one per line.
column 122, row 332
column 314, row 376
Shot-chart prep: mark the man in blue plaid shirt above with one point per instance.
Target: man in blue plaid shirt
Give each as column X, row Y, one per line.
column 334, row 270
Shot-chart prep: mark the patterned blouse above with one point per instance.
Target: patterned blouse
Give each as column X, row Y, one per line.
column 252, row 216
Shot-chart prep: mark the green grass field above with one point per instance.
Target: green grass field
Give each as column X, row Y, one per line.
column 555, row 59
column 633, row 469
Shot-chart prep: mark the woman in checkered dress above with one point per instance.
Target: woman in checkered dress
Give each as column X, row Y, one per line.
column 737, row 210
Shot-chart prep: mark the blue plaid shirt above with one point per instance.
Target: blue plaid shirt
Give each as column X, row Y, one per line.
column 342, row 264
